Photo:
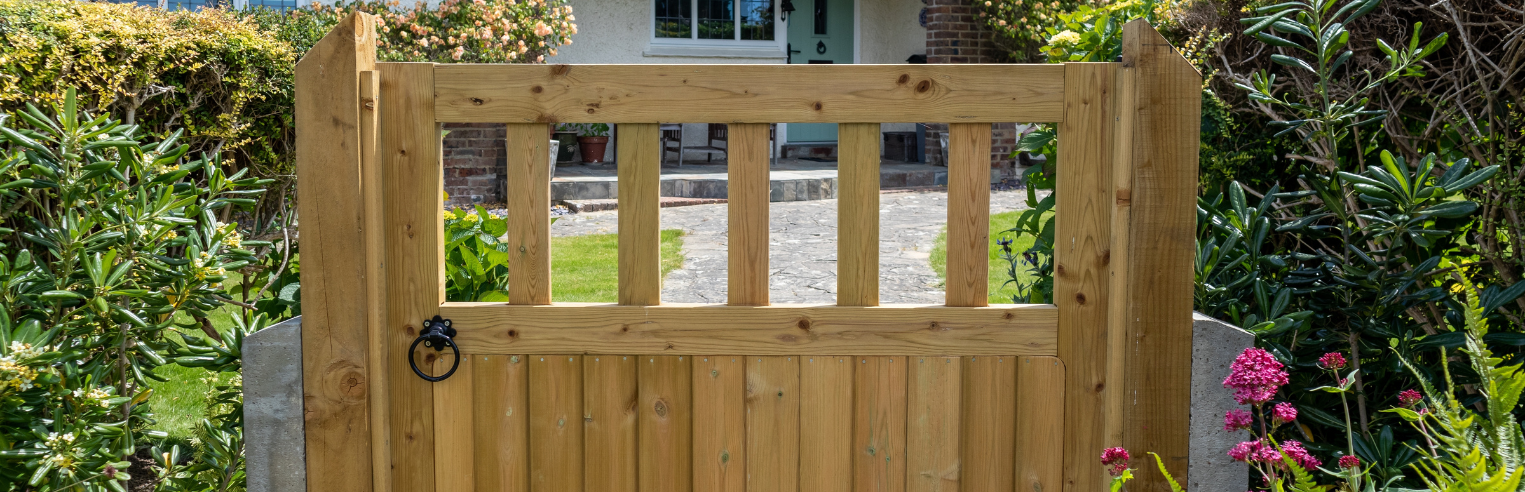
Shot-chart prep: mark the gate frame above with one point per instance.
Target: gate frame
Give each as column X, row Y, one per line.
column 370, row 422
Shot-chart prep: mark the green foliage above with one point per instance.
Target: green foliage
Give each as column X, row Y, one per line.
column 476, row 262
column 1095, row 34
column 106, row 239
column 481, row 31
column 224, row 84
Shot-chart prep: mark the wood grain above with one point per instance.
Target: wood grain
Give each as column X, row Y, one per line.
column 640, row 236
column 773, row 424
column 491, row 328
column 747, row 215
column 455, row 436
column 529, row 214
column 749, row 93
column 879, row 425
column 1040, row 446
column 826, row 423
column 720, row 447
column 556, row 423
column 1166, row 130
column 666, row 424
column 990, row 398
column 372, row 187
column 1081, row 271
column 415, row 259
column 609, row 408
column 501, row 418
column 933, row 425
column 968, row 214
column 858, row 214
column 336, row 337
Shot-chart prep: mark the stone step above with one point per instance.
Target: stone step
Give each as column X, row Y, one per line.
column 784, row 186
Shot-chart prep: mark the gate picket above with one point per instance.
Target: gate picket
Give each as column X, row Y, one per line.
column 556, row 423
column 773, row 416
column 666, row 424
column 990, row 398
column 826, row 423
column 501, row 419
column 453, row 429
column 879, row 459
column 934, row 424
column 1039, row 443
column 719, row 448
column 609, row 409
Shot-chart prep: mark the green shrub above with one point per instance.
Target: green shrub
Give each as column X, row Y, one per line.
column 111, row 246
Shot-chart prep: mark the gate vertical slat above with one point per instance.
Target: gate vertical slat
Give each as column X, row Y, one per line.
column 529, row 213
column 747, row 213
column 858, row 214
column 415, row 259
column 454, row 409
column 556, row 423
column 1081, row 272
column 826, row 423
column 373, row 185
column 337, row 371
column 640, row 176
column 1039, row 443
column 879, row 424
column 990, row 419
column 501, row 418
column 773, row 424
column 720, row 432
column 664, row 462
column 609, row 403
column 1161, row 244
column 934, row 406
column 968, row 267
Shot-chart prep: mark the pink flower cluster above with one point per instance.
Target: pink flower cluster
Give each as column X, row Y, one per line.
column 1236, row 419
column 1255, row 376
column 1115, row 459
column 1333, row 361
column 1260, row 451
column 1409, row 397
column 1283, row 413
column 1349, row 461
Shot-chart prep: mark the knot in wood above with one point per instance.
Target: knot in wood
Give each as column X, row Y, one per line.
column 903, row 79
column 477, row 101
column 924, row 86
column 537, row 89
column 660, row 408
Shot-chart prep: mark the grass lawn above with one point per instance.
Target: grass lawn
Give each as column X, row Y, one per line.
column 1000, row 222
column 583, row 268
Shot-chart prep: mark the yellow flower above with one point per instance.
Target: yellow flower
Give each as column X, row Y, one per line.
column 1067, row 38
column 449, row 215
column 472, row 217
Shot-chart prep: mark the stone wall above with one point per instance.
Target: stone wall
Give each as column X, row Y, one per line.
column 474, row 161
column 954, row 35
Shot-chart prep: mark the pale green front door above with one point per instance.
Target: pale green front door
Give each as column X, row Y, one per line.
column 820, row 31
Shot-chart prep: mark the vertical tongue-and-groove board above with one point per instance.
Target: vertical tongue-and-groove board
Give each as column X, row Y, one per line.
column 626, row 423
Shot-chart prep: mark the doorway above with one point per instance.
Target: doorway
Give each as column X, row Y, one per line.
column 819, row 31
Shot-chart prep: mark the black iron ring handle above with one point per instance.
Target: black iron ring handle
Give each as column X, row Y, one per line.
column 439, row 333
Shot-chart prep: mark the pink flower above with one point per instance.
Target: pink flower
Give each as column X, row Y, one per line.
column 1350, row 461
column 1253, row 451
column 1236, row 419
column 1255, row 376
column 1116, row 459
column 1283, row 412
column 1409, row 397
column 1333, row 361
column 1295, row 450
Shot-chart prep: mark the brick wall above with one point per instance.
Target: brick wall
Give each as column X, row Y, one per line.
column 474, row 162
column 954, row 35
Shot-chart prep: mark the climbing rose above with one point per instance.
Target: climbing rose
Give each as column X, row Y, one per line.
column 1255, row 376
column 1284, row 412
column 1333, row 361
column 1349, row 461
column 1295, row 450
column 1409, row 397
column 1116, row 459
column 1236, row 419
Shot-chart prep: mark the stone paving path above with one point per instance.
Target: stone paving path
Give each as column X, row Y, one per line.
column 802, row 249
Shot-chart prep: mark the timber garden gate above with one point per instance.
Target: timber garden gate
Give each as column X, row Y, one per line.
column 645, row 396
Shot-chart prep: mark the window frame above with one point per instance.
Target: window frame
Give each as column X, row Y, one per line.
column 779, row 30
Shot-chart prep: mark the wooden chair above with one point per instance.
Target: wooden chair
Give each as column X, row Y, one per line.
column 718, row 133
column 672, row 132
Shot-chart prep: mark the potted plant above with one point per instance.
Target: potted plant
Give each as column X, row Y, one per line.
column 592, row 138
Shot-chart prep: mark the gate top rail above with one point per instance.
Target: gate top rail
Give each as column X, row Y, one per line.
column 470, row 93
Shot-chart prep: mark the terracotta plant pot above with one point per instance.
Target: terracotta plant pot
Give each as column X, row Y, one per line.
column 592, row 149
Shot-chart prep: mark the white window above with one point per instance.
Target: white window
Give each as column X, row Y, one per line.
column 741, row 28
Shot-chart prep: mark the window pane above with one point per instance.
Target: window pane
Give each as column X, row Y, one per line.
column 820, row 17
column 674, row 19
column 716, row 19
column 757, row 20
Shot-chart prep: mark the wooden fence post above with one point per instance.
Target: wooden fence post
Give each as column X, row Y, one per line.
column 337, row 264
column 1158, row 138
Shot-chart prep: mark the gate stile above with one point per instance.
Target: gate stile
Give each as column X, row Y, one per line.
column 645, row 396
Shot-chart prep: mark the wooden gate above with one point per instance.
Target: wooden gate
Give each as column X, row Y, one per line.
column 646, row 396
